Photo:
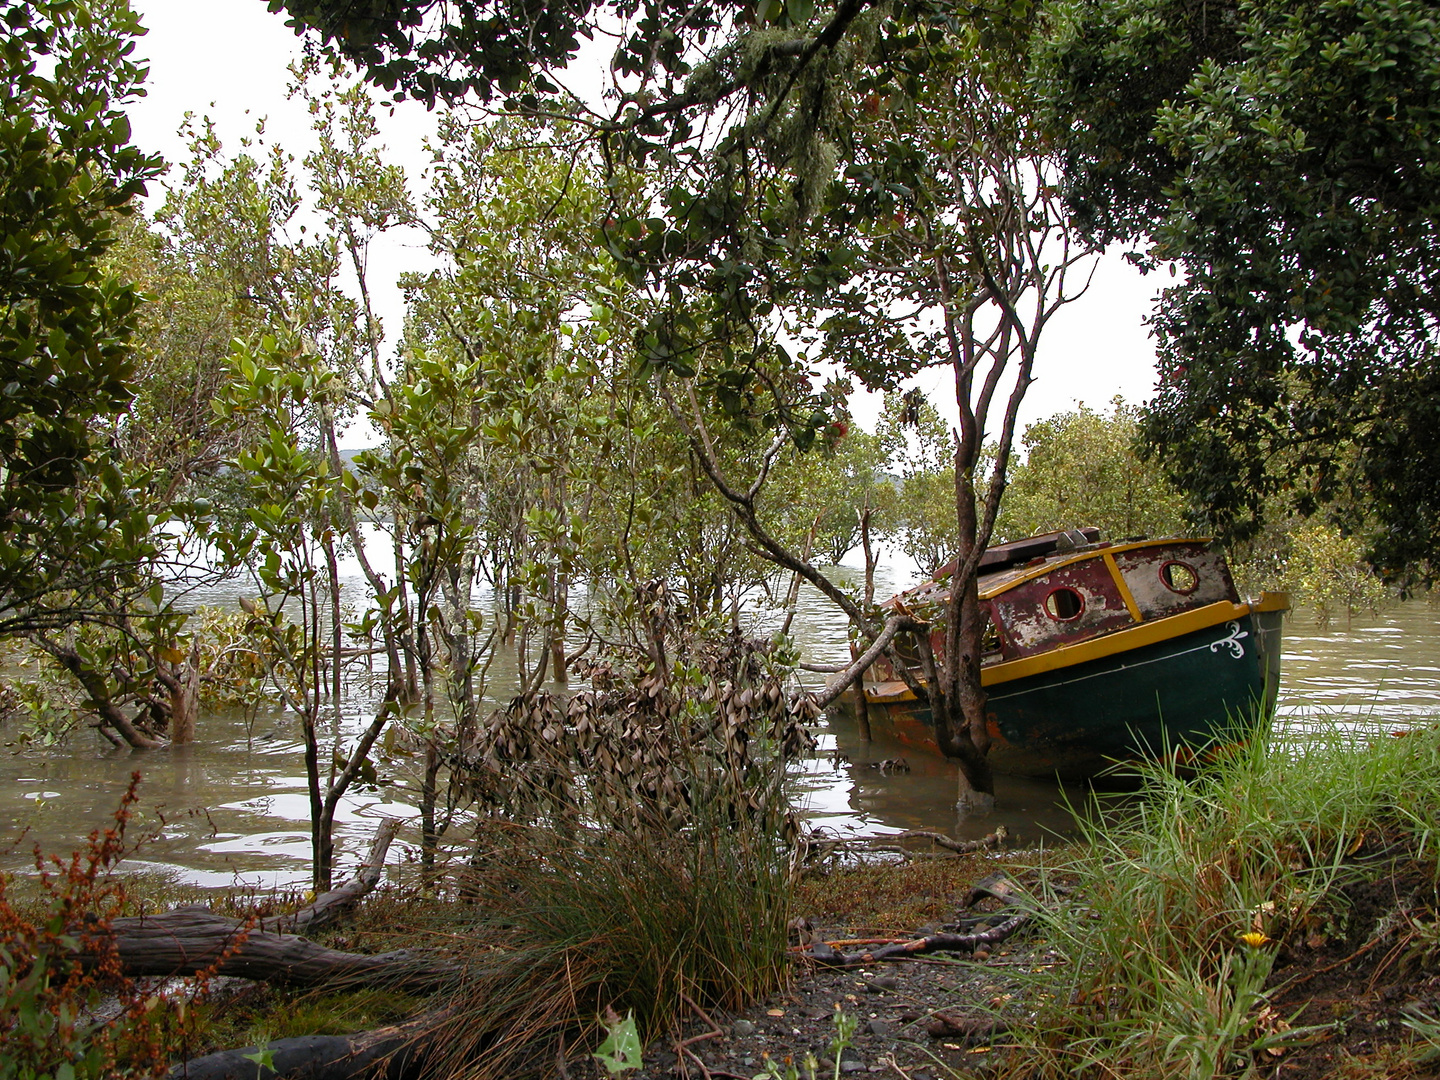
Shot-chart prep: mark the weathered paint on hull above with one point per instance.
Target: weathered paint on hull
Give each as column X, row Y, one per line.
column 1196, row 690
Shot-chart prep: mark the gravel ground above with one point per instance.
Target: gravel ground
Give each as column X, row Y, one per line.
column 924, row 1018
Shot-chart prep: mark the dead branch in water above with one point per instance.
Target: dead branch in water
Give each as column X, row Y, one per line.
column 821, row 849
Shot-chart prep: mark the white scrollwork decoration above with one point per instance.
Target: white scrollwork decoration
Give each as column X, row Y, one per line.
column 1232, row 642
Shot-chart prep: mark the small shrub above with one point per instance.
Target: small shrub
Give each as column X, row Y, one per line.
column 1328, row 571
column 636, row 856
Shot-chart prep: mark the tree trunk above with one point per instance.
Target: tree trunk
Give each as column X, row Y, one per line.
column 402, row 603
column 396, row 1052
column 429, row 800
column 862, row 705
column 190, row 940
column 560, row 617
column 110, row 714
column 337, row 626
column 959, row 711
column 185, row 699
column 977, row 789
column 321, row 846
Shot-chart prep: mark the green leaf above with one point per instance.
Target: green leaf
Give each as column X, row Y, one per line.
column 621, row 1051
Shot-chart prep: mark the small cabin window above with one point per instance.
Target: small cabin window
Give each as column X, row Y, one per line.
column 1179, row 577
column 1064, row 604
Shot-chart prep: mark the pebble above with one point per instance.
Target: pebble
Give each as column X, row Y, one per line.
column 881, row 1028
column 882, row 984
column 742, row 1028
column 852, row 1066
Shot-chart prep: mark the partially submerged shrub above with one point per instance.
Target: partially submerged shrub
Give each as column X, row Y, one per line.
column 645, row 745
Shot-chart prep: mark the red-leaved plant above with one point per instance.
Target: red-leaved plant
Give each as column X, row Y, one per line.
column 67, row 1010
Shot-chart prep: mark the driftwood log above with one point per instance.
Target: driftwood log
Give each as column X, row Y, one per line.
column 191, row 940
column 188, row 941
column 396, row 1052
column 829, row 956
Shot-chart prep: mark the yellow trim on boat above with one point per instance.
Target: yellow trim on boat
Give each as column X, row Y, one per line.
column 1098, row 648
column 1125, row 593
column 1108, row 552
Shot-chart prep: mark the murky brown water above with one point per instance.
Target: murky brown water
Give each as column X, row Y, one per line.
column 231, row 809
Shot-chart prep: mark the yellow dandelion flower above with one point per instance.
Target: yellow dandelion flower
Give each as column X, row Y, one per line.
column 1254, row 939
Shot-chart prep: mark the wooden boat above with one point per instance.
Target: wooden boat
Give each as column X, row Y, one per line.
column 1100, row 652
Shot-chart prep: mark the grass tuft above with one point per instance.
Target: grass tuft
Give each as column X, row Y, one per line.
column 579, row 922
column 1188, row 894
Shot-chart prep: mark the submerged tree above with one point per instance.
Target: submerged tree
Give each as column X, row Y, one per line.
column 946, row 246
column 965, row 254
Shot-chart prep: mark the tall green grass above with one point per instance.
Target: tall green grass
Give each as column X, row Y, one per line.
column 1185, row 895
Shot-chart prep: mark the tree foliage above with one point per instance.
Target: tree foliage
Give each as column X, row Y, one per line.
column 918, row 447
column 804, row 163
column 1084, row 468
column 1282, row 155
column 71, row 525
column 825, row 492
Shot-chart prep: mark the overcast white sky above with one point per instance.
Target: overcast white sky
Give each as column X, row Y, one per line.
column 228, row 58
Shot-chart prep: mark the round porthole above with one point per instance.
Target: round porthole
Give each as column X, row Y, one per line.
column 1179, row 577
column 1064, row 604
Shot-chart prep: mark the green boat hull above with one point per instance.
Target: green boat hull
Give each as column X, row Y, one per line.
column 1182, row 696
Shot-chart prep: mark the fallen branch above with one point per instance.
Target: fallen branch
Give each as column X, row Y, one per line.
column 850, row 942
column 397, row 1052
column 327, row 907
column 829, row 956
column 188, row 941
column 973, row 1029
column 888, row 845
column 997, row 886
column 191, row 940
column 856, row 670
column 990, row 842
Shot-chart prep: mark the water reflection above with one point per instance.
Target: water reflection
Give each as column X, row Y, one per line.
column 233, row 809
column 854, row 786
